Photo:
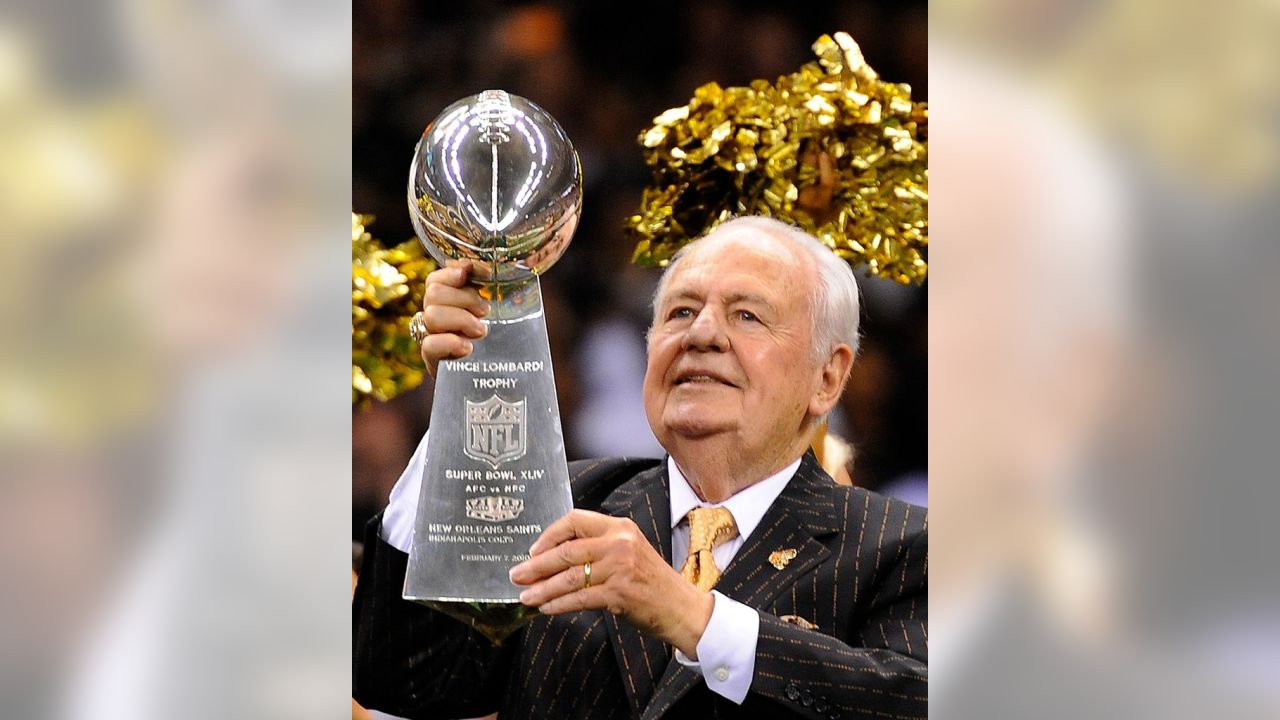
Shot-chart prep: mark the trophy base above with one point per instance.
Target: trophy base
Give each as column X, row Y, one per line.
column 495, row 620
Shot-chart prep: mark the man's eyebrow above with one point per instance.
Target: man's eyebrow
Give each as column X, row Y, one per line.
column 748, row 297
column 684, row 294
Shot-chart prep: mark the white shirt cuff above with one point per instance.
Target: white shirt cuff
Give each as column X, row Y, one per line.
column 402, row 510
column 727, row 649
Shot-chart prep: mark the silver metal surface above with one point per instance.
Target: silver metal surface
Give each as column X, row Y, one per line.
column 495, row 179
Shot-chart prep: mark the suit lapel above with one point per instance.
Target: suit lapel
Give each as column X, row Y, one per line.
column 805, row 510
column 646, row 500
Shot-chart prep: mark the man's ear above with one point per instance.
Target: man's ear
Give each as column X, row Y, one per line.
column 831, row 382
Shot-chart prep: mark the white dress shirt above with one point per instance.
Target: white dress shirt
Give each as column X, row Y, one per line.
column 402, row 508
column 727, row 649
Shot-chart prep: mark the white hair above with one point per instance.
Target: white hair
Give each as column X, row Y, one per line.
column 834, row 302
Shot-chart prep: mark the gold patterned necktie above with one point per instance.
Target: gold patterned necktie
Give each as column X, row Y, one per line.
column 708, row 529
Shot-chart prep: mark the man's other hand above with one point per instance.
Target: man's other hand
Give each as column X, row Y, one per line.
column 628, row 578
column 451, row 310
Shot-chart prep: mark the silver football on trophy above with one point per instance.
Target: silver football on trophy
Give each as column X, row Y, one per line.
column 495, row 179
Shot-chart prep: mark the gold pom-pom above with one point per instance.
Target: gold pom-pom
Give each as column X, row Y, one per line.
column 386, row 290
column 831, row 148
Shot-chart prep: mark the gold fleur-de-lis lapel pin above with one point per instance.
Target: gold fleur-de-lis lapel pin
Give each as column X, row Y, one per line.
column 779, row 558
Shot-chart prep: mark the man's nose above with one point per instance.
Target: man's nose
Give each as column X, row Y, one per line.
column 706, row 332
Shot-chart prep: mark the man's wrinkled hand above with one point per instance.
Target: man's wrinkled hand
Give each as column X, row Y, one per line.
column 628, row 578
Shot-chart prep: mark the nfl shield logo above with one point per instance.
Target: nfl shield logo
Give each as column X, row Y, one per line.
column 495, row 431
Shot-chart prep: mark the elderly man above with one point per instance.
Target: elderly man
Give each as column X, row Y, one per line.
column 819, row 604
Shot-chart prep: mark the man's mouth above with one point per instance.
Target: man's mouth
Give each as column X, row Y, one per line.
column 701, row 379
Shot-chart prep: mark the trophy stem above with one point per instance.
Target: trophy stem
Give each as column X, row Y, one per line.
column 495, row 474
column 512, row 301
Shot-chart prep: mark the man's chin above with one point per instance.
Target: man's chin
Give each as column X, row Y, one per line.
column 695, row 426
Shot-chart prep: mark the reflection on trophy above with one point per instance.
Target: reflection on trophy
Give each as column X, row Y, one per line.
column 495, row 180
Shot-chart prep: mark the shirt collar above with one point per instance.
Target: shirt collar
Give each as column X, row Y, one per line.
column 747, row 506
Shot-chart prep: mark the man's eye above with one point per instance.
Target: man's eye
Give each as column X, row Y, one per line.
column 681, row 313
column 747, row 316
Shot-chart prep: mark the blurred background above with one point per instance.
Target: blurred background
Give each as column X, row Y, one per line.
column 604, row 71
column 1102, row 346
column 176, row 179
column 174, row 189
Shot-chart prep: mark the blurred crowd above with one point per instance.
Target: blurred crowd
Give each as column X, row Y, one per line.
column 604, row 71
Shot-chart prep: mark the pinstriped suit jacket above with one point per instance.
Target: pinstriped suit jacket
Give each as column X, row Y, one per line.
column 859, row 576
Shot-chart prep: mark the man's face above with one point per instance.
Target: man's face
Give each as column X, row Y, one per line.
column 730, row 350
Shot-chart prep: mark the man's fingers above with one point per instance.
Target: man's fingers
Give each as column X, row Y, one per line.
column 451, row 312
column 569, row 580
column 565, row 556
column 454, row 273
column 592, row 598
column 445, row 346
column 578, row 523
column 466, row 297
column 445, row 319
column 448, row 333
